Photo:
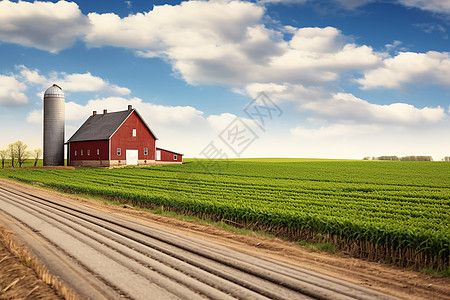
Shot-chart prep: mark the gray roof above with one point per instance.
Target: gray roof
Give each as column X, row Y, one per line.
column 103, row 126
column 159, row 148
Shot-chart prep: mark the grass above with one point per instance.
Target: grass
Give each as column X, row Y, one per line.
column 27, row 163
column 431, row 271
column 326, row 247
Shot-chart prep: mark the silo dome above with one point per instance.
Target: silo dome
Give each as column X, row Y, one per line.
column 54, row 91
column 54, row 119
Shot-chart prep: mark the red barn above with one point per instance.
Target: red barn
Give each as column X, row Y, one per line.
column 116, row 139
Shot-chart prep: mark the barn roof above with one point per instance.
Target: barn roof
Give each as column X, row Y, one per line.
column 103, row 126
column 159, row 148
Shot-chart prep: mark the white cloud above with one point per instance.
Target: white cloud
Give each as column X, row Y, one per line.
column 188, row 23
column 283, row 1
column 335, row 130
column 12, row 92
column 86, row 82
column 43, row 25
column 225, row 43
column 74, row 82
column 315, row 39
column 318, row 55
column 206, row 42
column 35, row 117
column 344, row 106
column 409, row 67
column 437, row 6
column 287, row 92
column 31, row 76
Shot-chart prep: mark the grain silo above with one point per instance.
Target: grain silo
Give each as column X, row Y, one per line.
column 54, row 101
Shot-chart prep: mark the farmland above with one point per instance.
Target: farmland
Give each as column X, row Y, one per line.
column 396, row 212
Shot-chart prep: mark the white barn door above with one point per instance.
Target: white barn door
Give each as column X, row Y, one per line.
column 132, row 157
column 158, row 154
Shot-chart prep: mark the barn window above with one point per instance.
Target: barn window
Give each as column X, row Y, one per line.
column 174, row 157
column 119, row 151
column 75, row 152
column 145, row 151
column 134, row 132
column 81, row 152
column 89, row 152
column 98, row 151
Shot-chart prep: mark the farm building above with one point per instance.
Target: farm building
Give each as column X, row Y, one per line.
column 117, row 139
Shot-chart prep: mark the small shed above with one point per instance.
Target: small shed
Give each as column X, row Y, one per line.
column 167, row 156
column 115, row 139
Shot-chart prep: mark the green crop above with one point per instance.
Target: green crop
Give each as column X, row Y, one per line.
column 399, row 205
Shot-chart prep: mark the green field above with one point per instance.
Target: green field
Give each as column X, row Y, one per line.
column 391, row 211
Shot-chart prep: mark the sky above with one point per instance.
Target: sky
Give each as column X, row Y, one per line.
column 217, row 79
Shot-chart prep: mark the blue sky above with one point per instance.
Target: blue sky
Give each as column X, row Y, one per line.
column 342, row 78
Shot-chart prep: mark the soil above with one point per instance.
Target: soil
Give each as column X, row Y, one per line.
column 17, row 280
column 388, row 279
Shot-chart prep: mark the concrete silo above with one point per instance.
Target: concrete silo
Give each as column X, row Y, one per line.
column 54, row 115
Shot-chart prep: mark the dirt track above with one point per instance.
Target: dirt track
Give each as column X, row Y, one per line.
column 389, row 280
column 18, row 281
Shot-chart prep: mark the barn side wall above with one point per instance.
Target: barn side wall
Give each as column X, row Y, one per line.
column 89, row 157
column 167, row 156
column 123, row 138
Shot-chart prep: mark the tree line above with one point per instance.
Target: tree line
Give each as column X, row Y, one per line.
column 17, row 153
column 405, row 158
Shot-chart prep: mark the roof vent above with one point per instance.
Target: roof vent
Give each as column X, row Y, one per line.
column 105, row 111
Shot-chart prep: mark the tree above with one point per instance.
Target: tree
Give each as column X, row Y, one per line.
column 3, row 157
column 21, row 152
column 12, row 154
column 37, row 153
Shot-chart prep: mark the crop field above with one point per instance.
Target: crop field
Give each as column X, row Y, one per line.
column 396, row 212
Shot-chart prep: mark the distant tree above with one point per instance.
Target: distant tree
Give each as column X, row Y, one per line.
column 367, row 158
column 447, row 158
column 12, row 154
column 21, row 153
column 386, row 157
column 417, row 158
column 3, row 157
column 37, row 153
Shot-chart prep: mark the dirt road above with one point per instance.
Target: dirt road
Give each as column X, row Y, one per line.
column 113, row 251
